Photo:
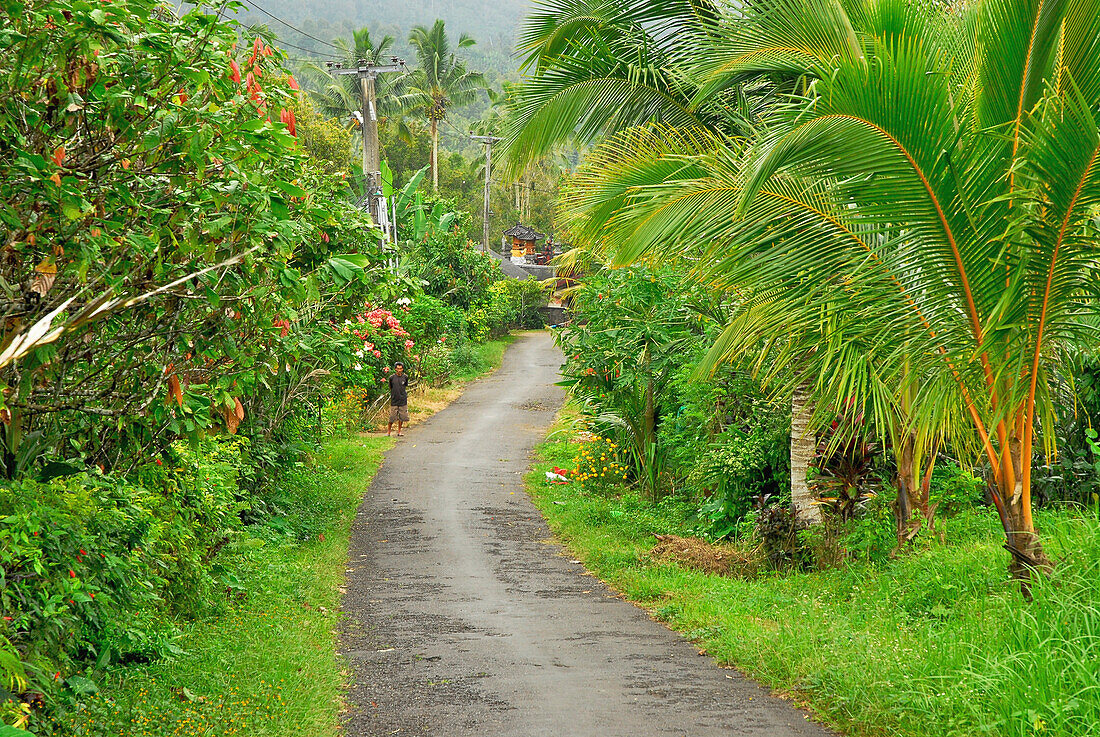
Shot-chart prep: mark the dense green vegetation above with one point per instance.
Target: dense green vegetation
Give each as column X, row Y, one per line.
column 265, row 662
column 931, row 294
column 833, row 330
column 933, row 643
column 833, row 324
column 426, row 114
column 193, row 303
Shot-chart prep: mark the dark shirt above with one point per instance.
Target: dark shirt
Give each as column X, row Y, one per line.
column 399, row 395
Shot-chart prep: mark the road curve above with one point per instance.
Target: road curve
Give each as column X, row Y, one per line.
column 464, row 618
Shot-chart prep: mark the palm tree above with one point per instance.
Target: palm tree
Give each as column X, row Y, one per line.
column 597, row 68
column 600, row 69
column 340, row 97
column 440, row 82
column 935, row 184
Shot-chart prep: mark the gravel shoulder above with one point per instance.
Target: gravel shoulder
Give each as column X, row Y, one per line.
column 464, row 617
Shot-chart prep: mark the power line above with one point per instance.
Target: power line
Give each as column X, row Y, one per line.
column 321, row 54
column 253, row 4
column 305, row 59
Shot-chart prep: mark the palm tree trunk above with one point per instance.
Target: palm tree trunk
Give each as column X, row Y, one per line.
column 435, row 156
column 1013, row 502
column 913, row 511
column 803, row 448
column 649, row 429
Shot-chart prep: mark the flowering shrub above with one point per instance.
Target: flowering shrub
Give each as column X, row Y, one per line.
column 375, row 339
column 346, row 412
column 597, row 464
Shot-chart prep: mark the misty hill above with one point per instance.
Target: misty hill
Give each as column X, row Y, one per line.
column 492, row 22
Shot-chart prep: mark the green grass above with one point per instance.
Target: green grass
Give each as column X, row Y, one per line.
column 937, row 642
column 266, row 665
column 486, row 357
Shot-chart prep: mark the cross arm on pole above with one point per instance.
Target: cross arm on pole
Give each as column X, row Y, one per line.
column 367, row 74
column 369, row 70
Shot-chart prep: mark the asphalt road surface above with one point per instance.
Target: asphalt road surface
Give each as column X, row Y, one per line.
column 464, row 618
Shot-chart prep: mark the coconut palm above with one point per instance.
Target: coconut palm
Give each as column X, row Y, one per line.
column 342, row 96
column 598, row 67
column 440, row 82
column 936, row 186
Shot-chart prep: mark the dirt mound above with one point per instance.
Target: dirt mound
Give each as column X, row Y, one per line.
column 700, row 555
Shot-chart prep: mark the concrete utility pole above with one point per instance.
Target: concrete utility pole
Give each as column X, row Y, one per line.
column 372, row 163
column 488, row 141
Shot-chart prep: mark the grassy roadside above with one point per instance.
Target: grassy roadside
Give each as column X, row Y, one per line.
column 934, row 643
column 488, row 357
column 265, row 664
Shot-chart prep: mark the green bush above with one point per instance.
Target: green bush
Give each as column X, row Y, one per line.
column 738, row 468
column 955, row 489
column 455, row 271
column 437, row 365
column 90, row 563
column 519, row 300
column 728, row 446
column 465, row 360
column 871, row 534
column 508, row 304
column 432, row 320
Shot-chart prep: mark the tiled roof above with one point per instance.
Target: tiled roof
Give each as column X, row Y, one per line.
column 524, row 233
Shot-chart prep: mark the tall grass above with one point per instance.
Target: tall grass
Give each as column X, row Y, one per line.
column 474, row 359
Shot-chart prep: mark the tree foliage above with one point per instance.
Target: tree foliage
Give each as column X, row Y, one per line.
column 440, row 81
column 162, row 219
column 911, row 226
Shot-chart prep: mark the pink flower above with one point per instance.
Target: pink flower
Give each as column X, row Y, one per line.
column 378, row 354
column 408, row 345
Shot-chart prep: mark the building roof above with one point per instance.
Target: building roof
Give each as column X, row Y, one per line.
column 523, row 233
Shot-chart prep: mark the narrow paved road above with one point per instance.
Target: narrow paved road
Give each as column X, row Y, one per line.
column 463, row 618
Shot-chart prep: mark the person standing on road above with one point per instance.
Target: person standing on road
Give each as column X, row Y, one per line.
column 399, row 398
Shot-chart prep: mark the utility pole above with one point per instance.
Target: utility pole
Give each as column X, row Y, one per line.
column 488, row 141
column 372, row 163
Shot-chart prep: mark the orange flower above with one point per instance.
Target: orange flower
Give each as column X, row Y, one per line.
column 287, row 117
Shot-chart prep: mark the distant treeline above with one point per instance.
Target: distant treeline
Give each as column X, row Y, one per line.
column 492, row 23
